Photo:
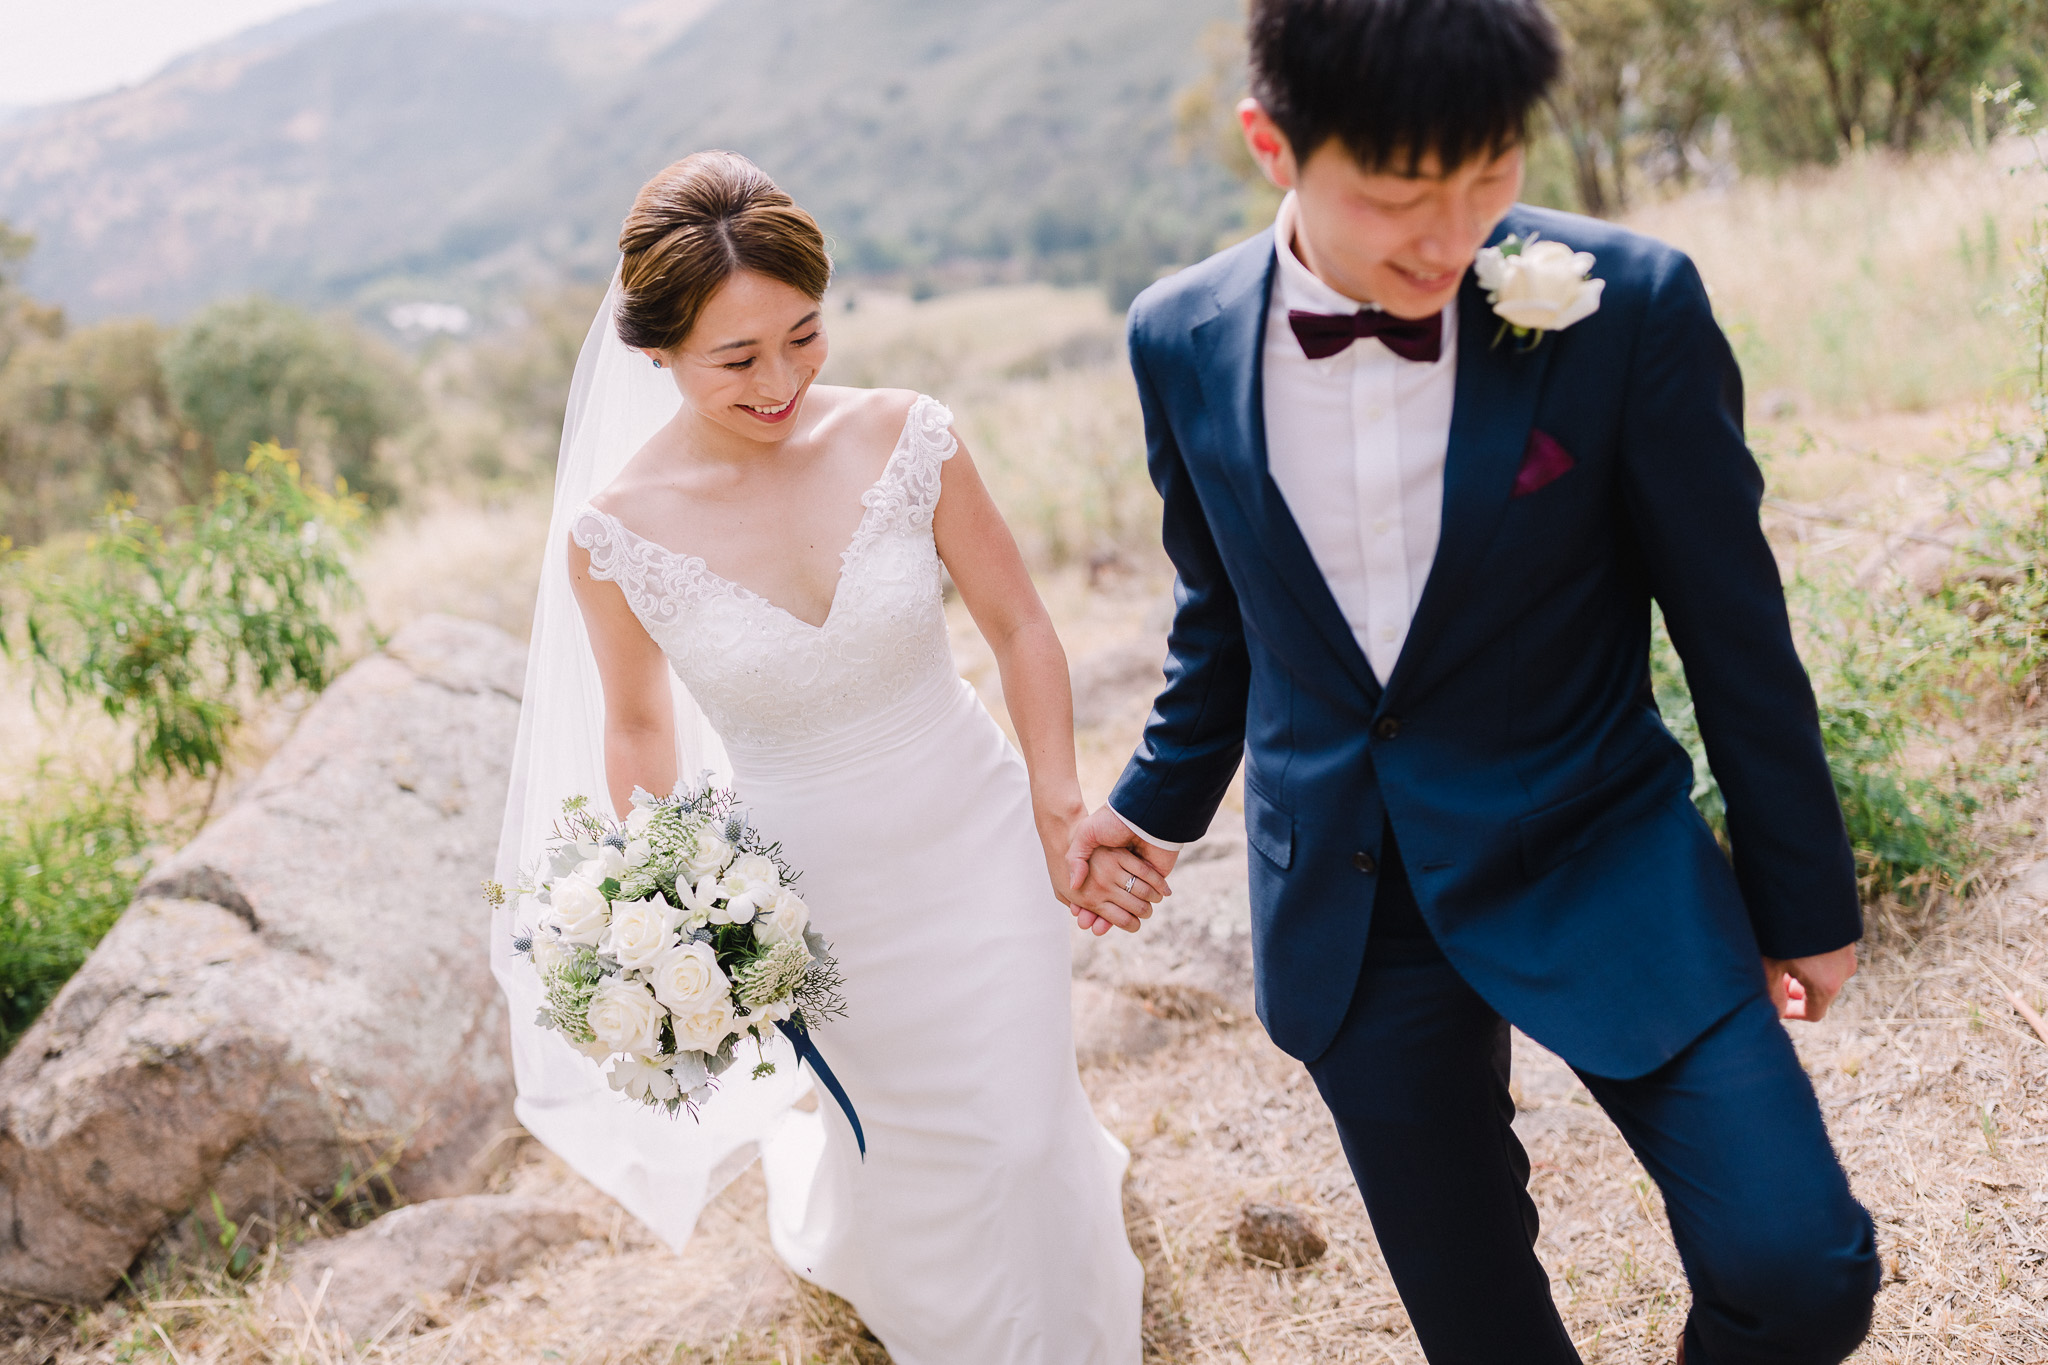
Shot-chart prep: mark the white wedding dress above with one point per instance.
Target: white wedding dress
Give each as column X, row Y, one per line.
column 984, row 1226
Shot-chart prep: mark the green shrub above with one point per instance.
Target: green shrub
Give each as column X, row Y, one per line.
column 1877, row 683
column 165, row 626
column 68, row 868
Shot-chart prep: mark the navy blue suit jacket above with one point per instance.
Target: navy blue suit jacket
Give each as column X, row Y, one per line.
column 1540, row 805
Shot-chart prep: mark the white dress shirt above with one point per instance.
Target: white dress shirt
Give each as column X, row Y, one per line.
column 1356, row 444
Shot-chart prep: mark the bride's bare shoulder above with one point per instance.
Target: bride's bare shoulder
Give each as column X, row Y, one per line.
column 863, row 415
column 642, row 475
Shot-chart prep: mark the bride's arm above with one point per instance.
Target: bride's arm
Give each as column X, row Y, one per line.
column 982, row 556
column 639, row 714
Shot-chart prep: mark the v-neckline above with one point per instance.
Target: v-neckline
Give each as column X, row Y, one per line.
column 845, row 556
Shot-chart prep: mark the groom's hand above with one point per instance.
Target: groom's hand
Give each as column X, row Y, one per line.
column 1103, row 830
column 1804, row 987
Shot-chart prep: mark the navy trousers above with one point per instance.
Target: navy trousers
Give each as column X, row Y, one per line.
column 1781, row 1258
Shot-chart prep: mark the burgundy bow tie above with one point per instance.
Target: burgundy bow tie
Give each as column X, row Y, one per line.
column 1325, row 334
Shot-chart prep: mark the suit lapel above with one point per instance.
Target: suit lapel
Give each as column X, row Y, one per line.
column 1495, row 405
column 1230, row 355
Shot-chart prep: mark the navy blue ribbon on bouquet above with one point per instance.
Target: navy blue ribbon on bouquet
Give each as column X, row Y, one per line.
column 807, row 1051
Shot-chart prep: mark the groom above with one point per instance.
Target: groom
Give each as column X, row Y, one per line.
column 1417, row 553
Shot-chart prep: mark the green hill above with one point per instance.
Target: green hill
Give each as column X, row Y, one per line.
column 368, row 151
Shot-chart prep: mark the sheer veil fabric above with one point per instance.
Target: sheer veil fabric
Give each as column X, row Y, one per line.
column 663, row 1170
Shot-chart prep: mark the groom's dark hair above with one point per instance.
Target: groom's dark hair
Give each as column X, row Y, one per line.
column 1396, row 80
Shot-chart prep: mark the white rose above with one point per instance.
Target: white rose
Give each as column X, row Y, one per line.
column 1544, row 287
column 578, row 911
column 642, row 816
column 640, row 931
column 707, row 857
column 606, row 862
column 643, row 1080
column 626, row 1017
column 753, row 871
column 686, row 976
column 705, row 1026
column 784, row 916
column 548, row 952
column 638, row 851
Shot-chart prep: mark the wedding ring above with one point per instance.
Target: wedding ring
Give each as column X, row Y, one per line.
column 1131, row 883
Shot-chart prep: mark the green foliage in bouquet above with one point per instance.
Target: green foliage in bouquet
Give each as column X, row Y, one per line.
column 168, row 625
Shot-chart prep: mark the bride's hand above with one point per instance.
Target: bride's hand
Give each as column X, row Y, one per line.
column 1056, row 822
column 1121, row 888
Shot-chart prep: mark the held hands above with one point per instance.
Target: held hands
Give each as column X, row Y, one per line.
column 1114, row 877
column 1804, row 987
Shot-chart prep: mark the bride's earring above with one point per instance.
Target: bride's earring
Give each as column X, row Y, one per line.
column 656, row 360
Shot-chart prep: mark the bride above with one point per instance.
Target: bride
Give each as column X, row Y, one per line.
column 771, row 550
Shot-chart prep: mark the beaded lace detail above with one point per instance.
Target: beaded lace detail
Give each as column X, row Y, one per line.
column 768, row 679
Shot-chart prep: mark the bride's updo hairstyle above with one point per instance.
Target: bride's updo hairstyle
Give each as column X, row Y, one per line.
column 694, row 226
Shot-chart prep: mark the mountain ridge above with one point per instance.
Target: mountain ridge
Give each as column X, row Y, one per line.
column 367, row 150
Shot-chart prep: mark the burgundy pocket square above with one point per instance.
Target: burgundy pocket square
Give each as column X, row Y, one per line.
column 1543, row 463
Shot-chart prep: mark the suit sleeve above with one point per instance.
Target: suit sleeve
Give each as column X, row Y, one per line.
column 1693, row 493
column 1194, row 739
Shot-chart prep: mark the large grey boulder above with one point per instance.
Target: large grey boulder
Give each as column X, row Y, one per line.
column 369, row 1281
column 299, row 996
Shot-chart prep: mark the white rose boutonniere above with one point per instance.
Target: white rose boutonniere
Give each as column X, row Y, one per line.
column 1537, row 286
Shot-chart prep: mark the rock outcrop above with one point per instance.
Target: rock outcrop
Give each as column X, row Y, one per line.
column 369, row 1281
column 298, row 997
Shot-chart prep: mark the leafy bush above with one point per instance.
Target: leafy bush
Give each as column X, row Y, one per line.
column 256, row 370
column 165, row 624
column 1876, row 683
column 68, row 868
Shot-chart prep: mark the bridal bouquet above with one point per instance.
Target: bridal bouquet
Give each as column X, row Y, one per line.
column 667, row 943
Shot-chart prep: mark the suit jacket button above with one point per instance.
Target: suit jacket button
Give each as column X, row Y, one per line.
column 1388, row 727
column 1363, row 862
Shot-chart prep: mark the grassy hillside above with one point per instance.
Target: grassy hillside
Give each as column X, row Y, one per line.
column 466, row 148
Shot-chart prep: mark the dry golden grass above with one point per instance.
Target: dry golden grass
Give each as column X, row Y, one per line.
column 1879, row 285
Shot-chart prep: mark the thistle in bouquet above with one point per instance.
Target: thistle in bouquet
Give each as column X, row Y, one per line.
column 667, row 944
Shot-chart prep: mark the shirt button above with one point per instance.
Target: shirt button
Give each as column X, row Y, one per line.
column 1388, row 727
column 1387, row 633
column 1374, row 413
column 1363, row 862
column 1382, row 526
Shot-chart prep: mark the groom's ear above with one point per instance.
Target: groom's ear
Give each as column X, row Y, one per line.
column 1267, row 144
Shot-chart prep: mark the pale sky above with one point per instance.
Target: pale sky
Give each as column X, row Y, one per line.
column 62, row 49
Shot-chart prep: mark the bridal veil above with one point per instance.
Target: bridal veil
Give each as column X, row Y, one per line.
column 663, row 1170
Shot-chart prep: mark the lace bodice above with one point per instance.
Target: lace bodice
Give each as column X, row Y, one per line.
column 766, row 679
